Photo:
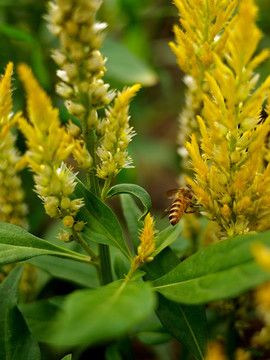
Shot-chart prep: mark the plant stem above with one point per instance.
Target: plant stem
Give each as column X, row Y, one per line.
column 85, row 246
column 105, row 271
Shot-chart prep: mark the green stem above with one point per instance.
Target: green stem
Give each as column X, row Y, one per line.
column 106, row 187
column 105, row 271
column 85, row 246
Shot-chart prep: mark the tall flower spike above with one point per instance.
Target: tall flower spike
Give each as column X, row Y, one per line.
column 12, row 206
column 203, row 31
column 49, row 145
column 147, row 239
column 231, row 181
column 116, row 134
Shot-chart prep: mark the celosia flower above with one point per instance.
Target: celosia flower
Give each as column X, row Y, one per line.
column 231, row 181
column 82, row 65
column 116, row 134
column 147, row 239
column 203, row 32
column 12, row 206
column 49, row 145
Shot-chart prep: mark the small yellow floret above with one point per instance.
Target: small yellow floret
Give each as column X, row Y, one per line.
column 147, row 239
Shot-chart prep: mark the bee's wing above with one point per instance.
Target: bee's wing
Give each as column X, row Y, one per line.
column 165, row 212
column 170, row 194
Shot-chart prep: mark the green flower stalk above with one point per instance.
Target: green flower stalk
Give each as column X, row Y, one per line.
column 12, row 206
column 231, row 180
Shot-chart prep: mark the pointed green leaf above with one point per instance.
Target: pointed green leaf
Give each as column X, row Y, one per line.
column 131, row 214
column 16, row 244
column 186, row 323
column 15, row 340
column 102, row 225
column 109, row 312
column 125, row 66
column 167, row 236
column 40, row 316
column 134, row 190
column 219, row 271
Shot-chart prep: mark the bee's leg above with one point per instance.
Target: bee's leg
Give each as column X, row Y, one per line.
column 196, row 205
column 192, row 212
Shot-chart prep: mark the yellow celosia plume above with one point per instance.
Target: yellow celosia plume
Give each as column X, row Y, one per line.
column 229, row 166
column 12, row 206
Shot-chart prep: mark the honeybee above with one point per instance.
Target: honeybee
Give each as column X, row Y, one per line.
column 183, row 199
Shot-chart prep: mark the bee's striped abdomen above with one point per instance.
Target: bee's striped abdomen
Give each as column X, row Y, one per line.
column 177, row 210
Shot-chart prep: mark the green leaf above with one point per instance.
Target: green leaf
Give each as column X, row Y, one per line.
column 102, row 225
column 16, row 33
column 186, row 323
column 40, row 316
column 67, row 357
column 167, row 236
column 16, row 244
column 131, row 214
column 99, row 315
column 134, row 190
column 219, row 271
column 15, row 340
column 126, row 67
column 76, row 272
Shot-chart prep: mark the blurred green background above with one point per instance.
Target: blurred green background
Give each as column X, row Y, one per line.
column 136, row 45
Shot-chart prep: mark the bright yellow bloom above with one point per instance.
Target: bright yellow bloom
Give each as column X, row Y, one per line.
column 231, row 181
column 12, row 206
column 49, row 145
column 147, row 239
column 203, row 32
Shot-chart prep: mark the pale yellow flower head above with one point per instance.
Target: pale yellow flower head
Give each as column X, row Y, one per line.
column 116, row 134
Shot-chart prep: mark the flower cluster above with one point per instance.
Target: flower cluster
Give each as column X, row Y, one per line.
column 12, row 206
column 203, row 32
column 49, row 145
column 101, row 147
column 115, row 134
column 82, row 64
column 231, row 180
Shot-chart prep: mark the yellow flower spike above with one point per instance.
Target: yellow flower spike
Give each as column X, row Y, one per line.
column 47, row 140
column 12, row 206
column 117, row 134
column 5, row 94
column 147, row 239
column 261, row 254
